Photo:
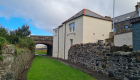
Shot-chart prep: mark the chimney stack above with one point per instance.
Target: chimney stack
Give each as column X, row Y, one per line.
column 108, row 17
column 137, row 6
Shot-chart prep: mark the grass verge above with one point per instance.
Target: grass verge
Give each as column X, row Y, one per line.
column 40, row 51
column 48, row 69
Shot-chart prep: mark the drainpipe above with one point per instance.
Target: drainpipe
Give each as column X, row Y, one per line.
column 58, row 42
column 64, row 40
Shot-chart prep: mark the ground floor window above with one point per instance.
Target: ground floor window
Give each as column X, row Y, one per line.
column 71, row 42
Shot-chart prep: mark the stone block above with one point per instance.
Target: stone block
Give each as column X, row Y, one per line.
column 8, row 49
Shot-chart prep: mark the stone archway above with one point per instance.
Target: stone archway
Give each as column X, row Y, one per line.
column 46, row 40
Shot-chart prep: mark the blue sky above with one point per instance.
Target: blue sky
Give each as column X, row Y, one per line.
column 14, row 22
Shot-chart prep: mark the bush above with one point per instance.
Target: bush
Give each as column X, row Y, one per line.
column 18, row 38
column 26, row 42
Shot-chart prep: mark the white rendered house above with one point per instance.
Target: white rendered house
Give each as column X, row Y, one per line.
column 84, row 27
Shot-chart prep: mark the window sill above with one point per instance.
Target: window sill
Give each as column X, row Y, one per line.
column 71, row 33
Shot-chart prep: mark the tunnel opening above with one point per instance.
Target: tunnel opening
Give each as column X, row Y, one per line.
column 47, row 47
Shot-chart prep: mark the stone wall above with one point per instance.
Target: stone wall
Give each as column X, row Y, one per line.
column 125, row 65
column 122, row 65
column 13, row 64
column 91, row 55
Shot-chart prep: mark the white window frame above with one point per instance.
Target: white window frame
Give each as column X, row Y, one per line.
column 72, row 27
column 71, row 42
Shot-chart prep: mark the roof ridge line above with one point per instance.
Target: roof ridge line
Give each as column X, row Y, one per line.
column 98, row 14
column 72, row 16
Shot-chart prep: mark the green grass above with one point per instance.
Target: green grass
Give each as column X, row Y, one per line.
column 40, row 51
column 48, row 69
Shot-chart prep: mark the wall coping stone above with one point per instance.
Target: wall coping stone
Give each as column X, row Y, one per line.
column 8, row 49
column 124, row 31
column 122, row 53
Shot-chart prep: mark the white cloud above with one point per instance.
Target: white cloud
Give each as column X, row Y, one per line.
column 31, row 34
column 49, row 14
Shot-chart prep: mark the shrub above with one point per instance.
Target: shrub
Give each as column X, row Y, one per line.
column 18, row 38
column 27, row 42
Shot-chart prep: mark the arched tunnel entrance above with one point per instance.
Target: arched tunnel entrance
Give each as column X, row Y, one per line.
column 49, row 48
column 46, row 40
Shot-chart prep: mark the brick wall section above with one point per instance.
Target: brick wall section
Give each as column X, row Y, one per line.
column 91, row 55
column 13, row 64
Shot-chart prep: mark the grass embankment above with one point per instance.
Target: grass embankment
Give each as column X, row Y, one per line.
column 40, row 51
column 48, row 69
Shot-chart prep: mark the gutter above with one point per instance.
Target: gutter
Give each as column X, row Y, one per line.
column 58, row 42
column 64, row 40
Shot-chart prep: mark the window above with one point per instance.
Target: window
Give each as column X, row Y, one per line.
column 126, row 27
column 115, row 30
column 55, row 32
column 71, row 42
column 117, row 20
column 130, row 26
column 72, row 27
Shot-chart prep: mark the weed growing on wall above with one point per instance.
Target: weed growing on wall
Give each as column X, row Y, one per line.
column 1, row 58
column 104, row 66
column 3, row 42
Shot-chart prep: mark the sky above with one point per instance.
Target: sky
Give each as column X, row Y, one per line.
column 43, row 16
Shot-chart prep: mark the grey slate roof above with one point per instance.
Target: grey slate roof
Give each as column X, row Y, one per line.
column 93, row 14
column 124, row 17
column 87, row 12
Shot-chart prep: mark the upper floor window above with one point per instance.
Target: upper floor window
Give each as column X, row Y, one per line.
column 126, row 27
column 55, row 32
column 72, row 27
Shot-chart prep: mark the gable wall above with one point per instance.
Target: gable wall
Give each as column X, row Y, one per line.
column 95, row 26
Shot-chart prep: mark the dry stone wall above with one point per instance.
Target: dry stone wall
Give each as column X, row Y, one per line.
column 122, row 65
column 125, row 65
column 91, row 55
column 13, row 64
